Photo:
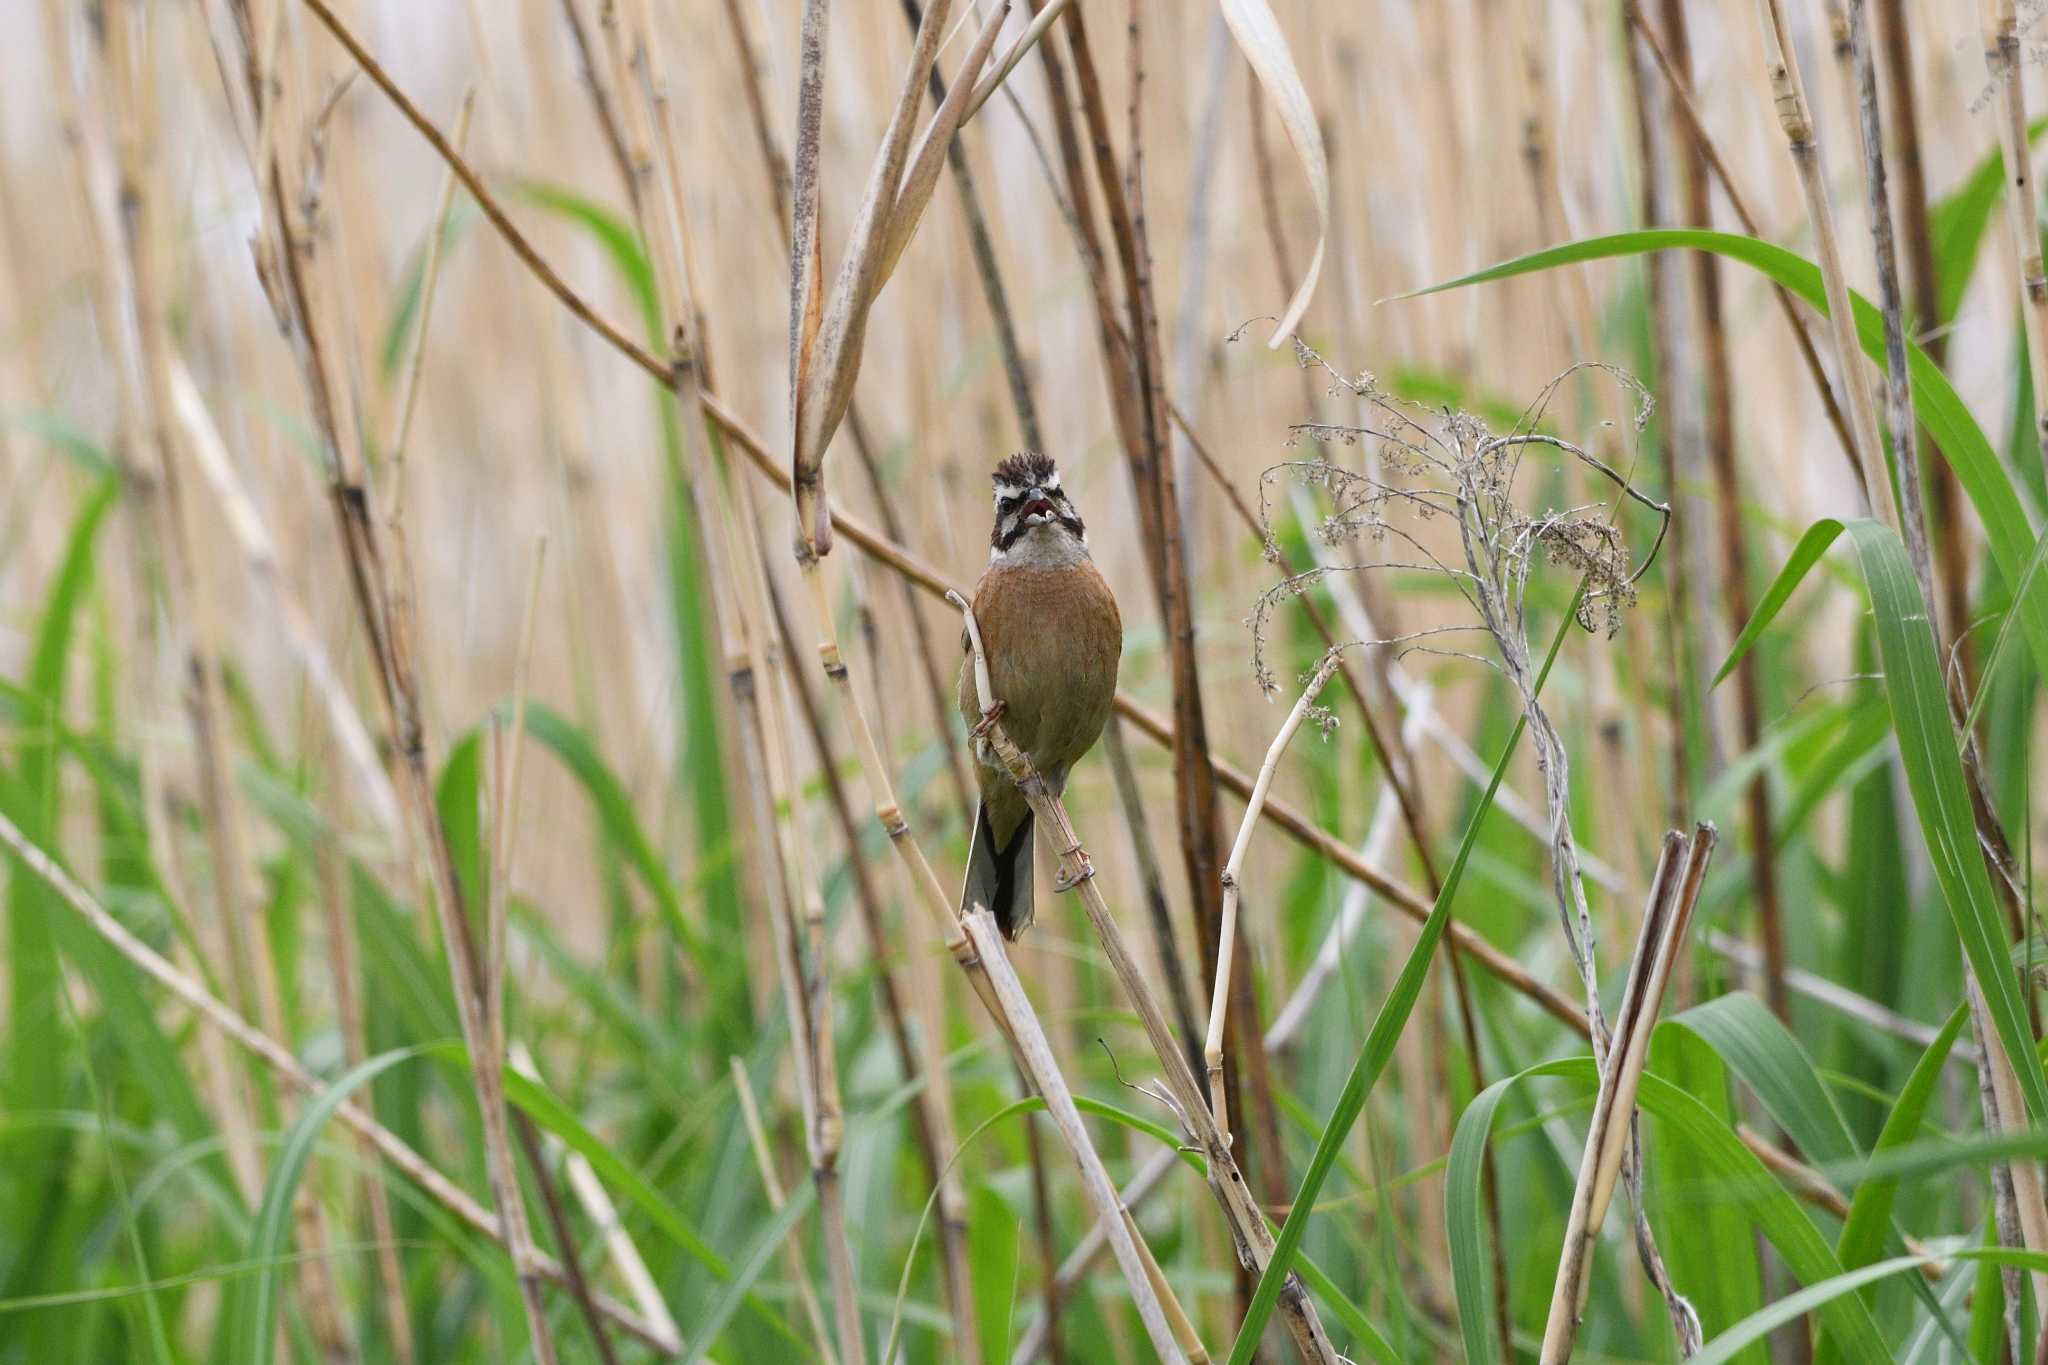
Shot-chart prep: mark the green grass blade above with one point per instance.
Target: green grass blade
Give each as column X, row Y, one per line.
column 1801, row 1302
column 1870, row 1208
column 568, row 743
column 1720, row 1157
column 270, row 1234
column 1934, row 776
column 1763, row 1052
column 1805, row 554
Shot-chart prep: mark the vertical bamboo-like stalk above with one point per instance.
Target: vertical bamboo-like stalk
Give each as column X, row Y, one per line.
column 301, row 297
column 1788, row 93
column 1898, row 404
column 802, row 958
column 1717, row 381
column 2022, row 214
column 1951, row 530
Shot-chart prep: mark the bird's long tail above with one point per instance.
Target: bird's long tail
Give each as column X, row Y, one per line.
column 1000, row 878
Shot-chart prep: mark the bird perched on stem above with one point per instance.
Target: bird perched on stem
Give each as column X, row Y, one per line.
column 1050, row 628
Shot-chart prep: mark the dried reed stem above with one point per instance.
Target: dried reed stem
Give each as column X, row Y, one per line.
column 377, row 572
column 1678, row 77
column 2002, row 55
column 1674, row 892
column 1717, row 385
column 1788, row 93
column 1247, row 1223
column 281, row 1061
column 1952, row 549
column 1898, row 398
column 1233, row 880
column 931, row 1110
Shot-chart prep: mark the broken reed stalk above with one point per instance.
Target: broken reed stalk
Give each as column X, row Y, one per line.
column 2002, row 55
column 281, row 1061
column 1233, row 880
column 826, row 339
column 1674, row 892
column 1183, row 1094
column 1788, row 92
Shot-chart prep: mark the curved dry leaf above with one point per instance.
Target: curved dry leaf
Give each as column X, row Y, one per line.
column 1259, row 37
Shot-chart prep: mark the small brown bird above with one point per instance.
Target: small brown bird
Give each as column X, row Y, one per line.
column 1053, row 637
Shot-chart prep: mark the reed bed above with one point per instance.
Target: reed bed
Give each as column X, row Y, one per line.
column 490, row 498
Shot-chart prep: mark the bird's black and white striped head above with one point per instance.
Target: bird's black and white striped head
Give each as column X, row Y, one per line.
column 1028, row 500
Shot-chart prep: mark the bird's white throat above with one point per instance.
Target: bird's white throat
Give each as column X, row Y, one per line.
column 1048, row 546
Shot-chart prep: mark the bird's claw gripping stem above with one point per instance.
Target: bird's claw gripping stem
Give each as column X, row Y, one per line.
column 988, row 719
column 1065, row 882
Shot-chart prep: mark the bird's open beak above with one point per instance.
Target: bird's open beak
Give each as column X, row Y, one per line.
column 1039, row 510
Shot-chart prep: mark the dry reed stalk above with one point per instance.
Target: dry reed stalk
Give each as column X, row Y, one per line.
column 1788, row 93
column 792, row 1256
column 125, row 56
column 1674, row 893
column 209, row 451
column 1575, row 318
column 1898, row 405
column 1679, row 81
column 931, row 1111
column 259, row 552
column 1172, row 1335
column 1252, row 1238
column 1158, row 913
column 2002, row 55
column 430, row 279
column 604, row 1216
column 1951, row 531
column 775, row 163
column 1233, row 880
column 803, row 960
column 505, row 765
column 1717, row 384
column 1128, row 335
column 302, row 298
column 827, row 333
column 281, row 1061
